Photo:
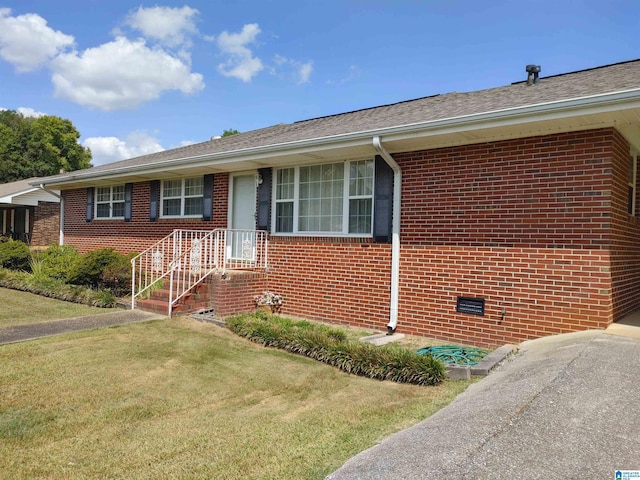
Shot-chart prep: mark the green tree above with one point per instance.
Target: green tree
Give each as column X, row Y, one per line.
column 231, row 131
column 38, row 147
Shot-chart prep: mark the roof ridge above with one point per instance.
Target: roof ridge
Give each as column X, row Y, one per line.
column 472, row 91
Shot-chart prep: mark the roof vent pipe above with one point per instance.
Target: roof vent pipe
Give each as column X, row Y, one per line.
column 532, row 74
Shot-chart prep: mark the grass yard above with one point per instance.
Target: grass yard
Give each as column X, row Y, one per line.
column 20, row 308
column 182, row 399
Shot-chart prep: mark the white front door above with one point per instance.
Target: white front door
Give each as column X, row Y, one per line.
column 242, row 214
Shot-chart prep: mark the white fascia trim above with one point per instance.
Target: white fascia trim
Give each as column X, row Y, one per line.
column 10, row 198
column 592, row 104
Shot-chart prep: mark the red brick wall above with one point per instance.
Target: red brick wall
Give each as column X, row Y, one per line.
column 46, row 224
column 235, row 292
column 541, row 192
column 139, row 233
column 625, row 244
column 333, row 281
column 541, row 291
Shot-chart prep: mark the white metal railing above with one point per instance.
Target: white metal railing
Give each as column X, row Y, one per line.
column 186, row 257
column 153, row 264
column 219, row 251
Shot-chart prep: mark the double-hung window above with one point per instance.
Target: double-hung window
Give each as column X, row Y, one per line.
column 110, row 202
column 182, row 198
column 332, row 199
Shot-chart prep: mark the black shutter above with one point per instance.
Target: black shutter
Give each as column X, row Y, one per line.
column 90, row 195
column 207, row 197
column 383, row 202
column 154, row 200
column 128, row 196
column 264, row 199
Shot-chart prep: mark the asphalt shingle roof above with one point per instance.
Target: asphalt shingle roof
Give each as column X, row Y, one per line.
column 601, row 80
column 12, row 188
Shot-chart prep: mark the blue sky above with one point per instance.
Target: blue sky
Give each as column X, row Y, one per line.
column 135, row 77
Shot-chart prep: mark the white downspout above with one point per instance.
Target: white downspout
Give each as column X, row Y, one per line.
column 61, row 232
column 61, row 226
column 395, row 233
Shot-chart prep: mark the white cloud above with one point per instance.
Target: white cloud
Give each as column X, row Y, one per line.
column 354, row 72
column 304, row 72
column 27, row 42
column 301, row 72
column 170, row 26
column 121, row 74
column 26, row 112
column 111, row 149
column 30, row 112
column 240, row 62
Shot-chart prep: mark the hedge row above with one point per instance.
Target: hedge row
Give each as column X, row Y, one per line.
column 56, row 289
column 102, row 269
column 331, row 346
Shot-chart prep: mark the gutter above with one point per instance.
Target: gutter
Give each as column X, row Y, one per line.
column 50, row 192
column 61, row 223
column 542, row 111
column 395, row 234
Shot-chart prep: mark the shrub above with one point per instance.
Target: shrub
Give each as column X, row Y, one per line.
column 53, row 288
column 116, row 276
column 15, row 255
column 331, row 346
column 57, row 260
column 103, row 268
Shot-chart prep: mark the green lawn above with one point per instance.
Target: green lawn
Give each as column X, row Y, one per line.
column 182, row 399
column 19, row 308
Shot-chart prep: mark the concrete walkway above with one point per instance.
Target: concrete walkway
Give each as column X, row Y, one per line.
column 32, row 331
column 565, row 407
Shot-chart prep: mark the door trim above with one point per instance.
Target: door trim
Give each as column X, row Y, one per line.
column 230, row 204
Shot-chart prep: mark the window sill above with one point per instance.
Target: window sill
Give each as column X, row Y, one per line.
column 179, row 217
column 321, row 235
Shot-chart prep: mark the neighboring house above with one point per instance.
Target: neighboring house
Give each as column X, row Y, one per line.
column 28, row 213
column 483, row 217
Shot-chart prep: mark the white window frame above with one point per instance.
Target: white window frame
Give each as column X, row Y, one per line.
column 345, row 203
column 182, row 197
column 632, row 181
column 110, row 202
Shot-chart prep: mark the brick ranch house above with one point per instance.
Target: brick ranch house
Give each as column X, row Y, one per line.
column 29, row 214
column 484, row 217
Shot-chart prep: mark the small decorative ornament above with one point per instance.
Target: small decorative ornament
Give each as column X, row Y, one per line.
column 269, row 301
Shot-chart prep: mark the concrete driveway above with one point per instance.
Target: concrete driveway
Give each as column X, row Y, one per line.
column 566, row 407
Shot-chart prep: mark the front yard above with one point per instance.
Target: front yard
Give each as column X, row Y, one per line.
column 21, row 308
column 183, row 399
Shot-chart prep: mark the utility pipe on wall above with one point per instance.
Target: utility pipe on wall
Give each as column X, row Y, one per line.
column 395, row 233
